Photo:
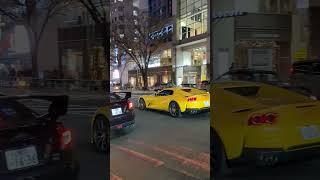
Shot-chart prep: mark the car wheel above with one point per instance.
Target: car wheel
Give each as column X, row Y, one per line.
column 218, row 159
column 142, row 104
column 174, row 109
column 101, row 134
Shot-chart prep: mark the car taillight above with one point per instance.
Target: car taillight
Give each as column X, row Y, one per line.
column 263, row 119
column 130, row 105
column 291, row 70
column 191, row 99
column 64, row 137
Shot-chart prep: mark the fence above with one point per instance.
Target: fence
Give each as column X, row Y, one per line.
column 58, row 84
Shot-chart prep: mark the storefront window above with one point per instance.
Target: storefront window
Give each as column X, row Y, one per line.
column 193, row 18
column 166, row 58
column 275, row 6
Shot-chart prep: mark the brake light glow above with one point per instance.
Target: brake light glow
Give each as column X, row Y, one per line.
column 64, row 137
column 263, row 119
column 191, row 99
column 291, row 70
column 130, row 105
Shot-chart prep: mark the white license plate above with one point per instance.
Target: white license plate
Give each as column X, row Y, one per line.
column 116, row 111
column 310, row 132
column 21, row 158
column 207, row 103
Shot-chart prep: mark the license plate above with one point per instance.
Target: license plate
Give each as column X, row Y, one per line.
column 21, row 158
column 207, row 103
column 310, row 132
column 116, row 111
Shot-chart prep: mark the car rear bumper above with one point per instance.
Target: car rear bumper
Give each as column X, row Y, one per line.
column 267, row 157
column 197, row 110
column 62, row 171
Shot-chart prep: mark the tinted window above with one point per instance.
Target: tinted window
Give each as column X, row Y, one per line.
column 114, row 97
column 245, row 91
column 165, row 93
column 14, row 111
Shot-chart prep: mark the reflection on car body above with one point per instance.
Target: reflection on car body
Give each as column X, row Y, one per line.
column 261, row 124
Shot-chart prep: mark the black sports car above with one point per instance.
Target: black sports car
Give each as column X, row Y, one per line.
column 35, row 146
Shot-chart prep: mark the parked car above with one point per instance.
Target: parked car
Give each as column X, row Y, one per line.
column 116, row 115
column 256, row 124
column 33, row 145
column 177, row 101
column 306, row 75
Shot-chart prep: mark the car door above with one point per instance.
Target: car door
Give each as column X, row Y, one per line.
column 161, row 99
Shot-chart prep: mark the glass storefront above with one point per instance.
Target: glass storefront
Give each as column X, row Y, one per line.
column 192, row 18
column 192, row 65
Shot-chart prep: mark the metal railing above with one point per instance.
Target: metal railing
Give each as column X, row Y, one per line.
column 59, row 84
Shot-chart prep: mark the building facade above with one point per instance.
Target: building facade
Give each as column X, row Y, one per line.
column 259, row 40
column 162, row 60
column 192, row 62
column 80, row 46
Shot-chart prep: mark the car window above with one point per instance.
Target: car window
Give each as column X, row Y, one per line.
column 165, row 93
column 114, row 97
column 245, row 91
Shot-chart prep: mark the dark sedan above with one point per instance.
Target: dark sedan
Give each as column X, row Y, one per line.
column 35, row 146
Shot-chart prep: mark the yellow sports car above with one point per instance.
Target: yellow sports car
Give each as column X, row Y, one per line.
column 177, row 101
column 261, row 125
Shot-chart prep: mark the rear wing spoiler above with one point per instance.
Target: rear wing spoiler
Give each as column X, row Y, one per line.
column 58, row 106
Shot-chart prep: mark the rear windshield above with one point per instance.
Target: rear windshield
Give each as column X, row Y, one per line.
column 114, row 97
column 245, row 91
column 12, row 111
column 193, row 91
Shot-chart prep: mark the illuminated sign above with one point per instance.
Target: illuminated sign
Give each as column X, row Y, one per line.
column 164, row 31
column 227, row 14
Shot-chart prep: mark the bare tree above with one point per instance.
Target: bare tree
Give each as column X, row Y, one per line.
column 34, row 15
column 100, row 14
column 137, row 42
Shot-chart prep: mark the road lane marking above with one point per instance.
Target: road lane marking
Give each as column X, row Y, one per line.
column 184, row 160
column 144, row 157
column 115, row 177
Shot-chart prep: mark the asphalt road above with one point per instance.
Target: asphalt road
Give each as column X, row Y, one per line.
column 161, row 147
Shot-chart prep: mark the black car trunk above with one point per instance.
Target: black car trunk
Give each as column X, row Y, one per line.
column 38, row 134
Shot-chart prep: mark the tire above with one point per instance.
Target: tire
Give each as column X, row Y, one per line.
column 101, row 135
column 142, row 104
column 174, row 110
column 218, row 159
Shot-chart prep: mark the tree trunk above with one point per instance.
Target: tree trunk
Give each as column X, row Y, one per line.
column 144, row 73
column 106, row 49
column 33, row 51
